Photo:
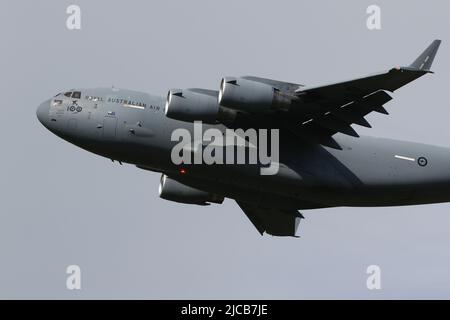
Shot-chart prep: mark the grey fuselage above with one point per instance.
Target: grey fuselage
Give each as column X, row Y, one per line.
column 131, row 127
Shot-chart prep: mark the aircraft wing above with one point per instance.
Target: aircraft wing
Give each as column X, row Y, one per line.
column 322, row 111
column 276, row 222
column 338, row 105
column 321, row 127
column 351, row 90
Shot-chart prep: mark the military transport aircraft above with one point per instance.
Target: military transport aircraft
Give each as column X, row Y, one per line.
column 322, row 161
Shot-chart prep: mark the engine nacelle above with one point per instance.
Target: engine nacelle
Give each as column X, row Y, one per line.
column 173, row 190
column 188, row 105
column 251, row 96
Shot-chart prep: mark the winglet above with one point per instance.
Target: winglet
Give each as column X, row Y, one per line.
column 424, row 61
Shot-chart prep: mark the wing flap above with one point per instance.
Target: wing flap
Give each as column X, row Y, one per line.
column 322, row 127
column 332, row 122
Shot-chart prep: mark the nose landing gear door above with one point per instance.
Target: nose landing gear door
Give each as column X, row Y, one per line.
column 109, row 127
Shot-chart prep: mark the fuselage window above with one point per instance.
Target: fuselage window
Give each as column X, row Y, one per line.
column 68, row 94
column 76, row 95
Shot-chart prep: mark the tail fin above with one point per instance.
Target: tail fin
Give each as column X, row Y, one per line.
column 424, row 61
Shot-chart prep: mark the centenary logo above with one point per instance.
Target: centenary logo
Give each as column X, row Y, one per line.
column 74, row 107
column 214, row 146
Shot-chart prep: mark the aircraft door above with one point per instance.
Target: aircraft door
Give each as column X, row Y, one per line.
column 109, row 127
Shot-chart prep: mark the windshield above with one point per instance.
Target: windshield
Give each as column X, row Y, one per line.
column 73, row 94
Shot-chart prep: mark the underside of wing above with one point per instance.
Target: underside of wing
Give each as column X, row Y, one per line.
column 323, row 126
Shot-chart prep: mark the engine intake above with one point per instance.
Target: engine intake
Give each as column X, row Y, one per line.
column 188, row 105
column 251, row 96
column 172, row 190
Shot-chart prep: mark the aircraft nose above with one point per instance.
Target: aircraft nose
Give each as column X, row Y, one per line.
column 42, row 112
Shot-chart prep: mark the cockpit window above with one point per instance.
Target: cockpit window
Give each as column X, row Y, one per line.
column 57, row 102
column 68, row 94
column 76, row 95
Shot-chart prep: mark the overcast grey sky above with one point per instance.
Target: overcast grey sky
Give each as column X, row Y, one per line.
column 61, row 205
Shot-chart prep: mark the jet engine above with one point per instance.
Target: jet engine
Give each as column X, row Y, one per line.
column 251, row 96
column 173, row 190
column 189, row 105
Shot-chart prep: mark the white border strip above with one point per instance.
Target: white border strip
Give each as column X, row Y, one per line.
column 404, row 158
column 132, row 106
